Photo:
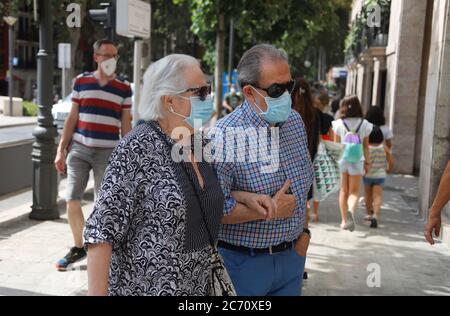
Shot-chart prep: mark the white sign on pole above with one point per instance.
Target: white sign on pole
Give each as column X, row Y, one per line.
column 133, row 18
column 64, row 60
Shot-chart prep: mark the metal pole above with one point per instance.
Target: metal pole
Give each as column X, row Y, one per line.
column 44, row 148
column 11, row 75
column 137, row 78
column 231, row 55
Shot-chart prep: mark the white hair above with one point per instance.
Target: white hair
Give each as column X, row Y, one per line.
column 163, row 78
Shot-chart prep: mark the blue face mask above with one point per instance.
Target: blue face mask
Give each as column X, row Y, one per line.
column 201, row 111
column 278, row 110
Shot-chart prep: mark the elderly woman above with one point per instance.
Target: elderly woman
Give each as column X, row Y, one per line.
column 155, row 218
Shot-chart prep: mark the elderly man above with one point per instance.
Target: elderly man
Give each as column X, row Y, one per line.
column 264, row 250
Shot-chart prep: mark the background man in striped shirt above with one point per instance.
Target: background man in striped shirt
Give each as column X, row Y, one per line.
column 100, row 115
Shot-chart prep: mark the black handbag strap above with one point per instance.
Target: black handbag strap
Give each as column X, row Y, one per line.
column 170, row 146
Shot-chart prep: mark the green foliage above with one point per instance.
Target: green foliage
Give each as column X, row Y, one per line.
column 29, row 108
column 293, row 25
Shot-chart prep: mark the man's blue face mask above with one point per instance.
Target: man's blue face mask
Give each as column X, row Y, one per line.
column 278, row 109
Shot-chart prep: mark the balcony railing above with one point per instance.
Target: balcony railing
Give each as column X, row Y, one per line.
column 361, row 37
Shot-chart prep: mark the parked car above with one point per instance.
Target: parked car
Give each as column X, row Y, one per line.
column 61, row 110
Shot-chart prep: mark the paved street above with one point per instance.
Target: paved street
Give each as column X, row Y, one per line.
column 337, row 262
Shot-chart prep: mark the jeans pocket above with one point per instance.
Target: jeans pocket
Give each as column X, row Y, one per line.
column 297, row 256
column 233, row 259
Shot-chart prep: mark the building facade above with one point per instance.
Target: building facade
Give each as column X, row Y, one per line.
column 26, row 46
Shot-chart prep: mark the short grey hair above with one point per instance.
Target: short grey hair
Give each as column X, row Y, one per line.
column 165, row 77
column 98, row 44
column 249, row 68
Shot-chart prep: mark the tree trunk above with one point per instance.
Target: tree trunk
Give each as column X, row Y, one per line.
column 220, row 57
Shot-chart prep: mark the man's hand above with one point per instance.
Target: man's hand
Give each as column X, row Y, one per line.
column 60, row 161
column 302, row 245
column 285, row 203
column 433, row 226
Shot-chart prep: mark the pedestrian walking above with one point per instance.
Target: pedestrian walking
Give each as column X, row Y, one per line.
column 353, row 131
column 156, row 221
column 303, row 103
column 380, row 164
column 100, row 115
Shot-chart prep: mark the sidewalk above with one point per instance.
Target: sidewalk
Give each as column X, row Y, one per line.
column 9, row 121
column 337, row 262
column 30, row 249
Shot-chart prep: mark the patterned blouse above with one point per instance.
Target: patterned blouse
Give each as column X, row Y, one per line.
column 149, row 210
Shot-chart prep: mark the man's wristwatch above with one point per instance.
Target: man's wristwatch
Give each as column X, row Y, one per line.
column 307, row 231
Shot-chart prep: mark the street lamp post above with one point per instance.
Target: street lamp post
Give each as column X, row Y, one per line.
column 11, row 21
column 44, row 148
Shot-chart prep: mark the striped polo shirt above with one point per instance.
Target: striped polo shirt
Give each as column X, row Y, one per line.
column 100, row 110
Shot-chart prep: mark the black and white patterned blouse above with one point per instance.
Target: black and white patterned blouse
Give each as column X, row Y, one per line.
column 148, row 209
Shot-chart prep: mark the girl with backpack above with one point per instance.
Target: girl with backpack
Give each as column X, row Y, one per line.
column 353, row 131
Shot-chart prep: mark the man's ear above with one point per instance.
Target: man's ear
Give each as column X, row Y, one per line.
column 249, row 93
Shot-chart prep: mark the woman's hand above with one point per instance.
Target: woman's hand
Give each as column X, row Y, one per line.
column 263, row 205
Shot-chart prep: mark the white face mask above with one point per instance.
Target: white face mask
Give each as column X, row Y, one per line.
column 109, row 66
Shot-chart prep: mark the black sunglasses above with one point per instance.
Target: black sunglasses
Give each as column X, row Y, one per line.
column 201, row 92
column 278, row 89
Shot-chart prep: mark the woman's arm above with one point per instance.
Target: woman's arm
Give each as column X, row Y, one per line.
column 335, row 137
column 390, row 159
column 263, row 207
column 99, row 258
column 389, row 143
column 443, row 194
column 366, row 155
column 434, row 223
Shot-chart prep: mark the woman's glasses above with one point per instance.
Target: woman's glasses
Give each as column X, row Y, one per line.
column 201, row 92
column 278, row 89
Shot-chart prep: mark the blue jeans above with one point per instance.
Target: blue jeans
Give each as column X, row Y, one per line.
column 280, row 274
